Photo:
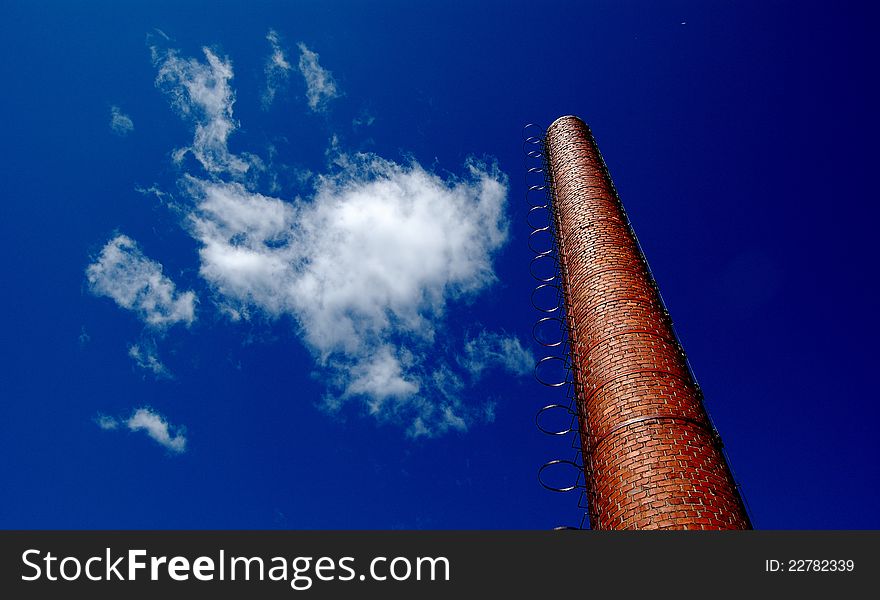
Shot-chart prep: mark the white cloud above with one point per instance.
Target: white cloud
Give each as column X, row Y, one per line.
column 155, row 426
column 366, row 268
column 153, row 190
column 201, row 92
column 150, row 422
column 277, row 69
column 320, row 85
column 379, row 376
column 496, row 350
column 136, row 283
column 120, row 123
column 146, row 356
column 105, row 422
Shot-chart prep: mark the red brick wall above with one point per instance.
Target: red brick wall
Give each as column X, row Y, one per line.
column 651, row 458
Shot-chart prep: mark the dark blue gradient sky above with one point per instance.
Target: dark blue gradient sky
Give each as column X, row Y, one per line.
column 742, row 137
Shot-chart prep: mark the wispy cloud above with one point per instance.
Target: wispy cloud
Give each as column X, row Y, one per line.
column 277, row 69
column 490, row 349
column 106, row 422
column 320, row 85
column 158, row 428
column 150, row 422
column 200, row 91
column 136, row 283
column 145, row 355
column 120, row 123
column 160, row 195
column 364, row 119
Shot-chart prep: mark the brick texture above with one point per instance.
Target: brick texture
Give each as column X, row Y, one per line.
column 651, row 457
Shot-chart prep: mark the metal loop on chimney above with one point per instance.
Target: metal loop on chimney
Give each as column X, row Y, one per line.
column 550, row 360
column 553, row 463
column 540, row 323
column 536, row 209
column 537, row 261
column 543, row 309
column 550, row 330
column 571, row 424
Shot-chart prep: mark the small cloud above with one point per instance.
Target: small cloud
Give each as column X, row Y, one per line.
column 277, row 69
column 153, row 190
column 159, row 195
column 136, row 283
column 320, row 85
column 364, row 119
column 155, row 426
column 120, row 123
column 380, row 377
column 106, row 422
column 201, row 92
column 146, row 357
column 496, row 350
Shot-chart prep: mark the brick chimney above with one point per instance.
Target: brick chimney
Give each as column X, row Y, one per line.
column 652, row 458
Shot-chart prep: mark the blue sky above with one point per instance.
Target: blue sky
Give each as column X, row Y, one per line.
column 267, row 265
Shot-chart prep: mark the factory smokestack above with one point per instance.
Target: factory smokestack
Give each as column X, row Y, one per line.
column 652, row 459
